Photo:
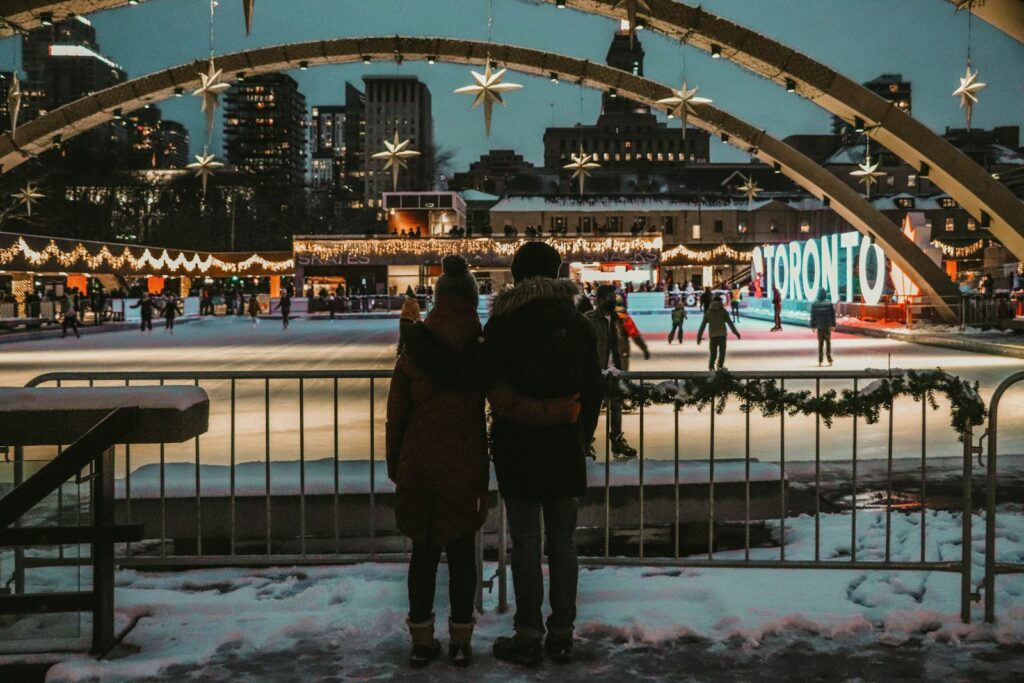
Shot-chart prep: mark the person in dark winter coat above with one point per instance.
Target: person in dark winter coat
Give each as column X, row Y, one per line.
column 170, row 311
column 705, row 299
column 823, row 319
column 678, row 318
column 145, row 306
column 545, row 348
column 254, row 309
column 777, row 306
column 70, row 317
column 716, row 319
column 285, row 305
column 409, row 316
column 437, row 453
column 613, row 330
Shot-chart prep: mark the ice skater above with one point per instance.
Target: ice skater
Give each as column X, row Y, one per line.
column 254, row 310
column 171, row 311
column 734, row 300
column 678, row 318
column 777, row 306
column 145, row 306
column 70, row 317
column 823, row 319
column 715, row 319
column 284, row 304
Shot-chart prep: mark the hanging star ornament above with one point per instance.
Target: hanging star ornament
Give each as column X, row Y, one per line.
column 681, row 103
column 28, row 196
column 868, row 174
column 487, row 90
column 248, row 7
column 968, row 92
column 396, row 153
column 204, row 166
column 14, row 100
column 751, row 189
column 581, row 166
column 632, row 8
column 210, row 89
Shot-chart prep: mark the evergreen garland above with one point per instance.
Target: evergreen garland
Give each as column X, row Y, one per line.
column 770, row 399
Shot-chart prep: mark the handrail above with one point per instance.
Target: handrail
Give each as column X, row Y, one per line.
column 87, row 449
column 990, row 507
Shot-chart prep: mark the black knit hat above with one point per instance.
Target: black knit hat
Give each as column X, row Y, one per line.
column 535, row 259
column 456, row 281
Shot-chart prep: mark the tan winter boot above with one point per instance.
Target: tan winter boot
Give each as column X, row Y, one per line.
column 425, row 648
column 460, row 653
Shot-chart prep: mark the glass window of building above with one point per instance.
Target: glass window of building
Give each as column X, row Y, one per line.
column 949, row 224
column 972, row 225
column 695, row 232
column 719, row 225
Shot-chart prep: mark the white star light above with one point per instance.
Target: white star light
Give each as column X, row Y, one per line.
column 581, row 166
column 28, row 196
column 968, row 92
column 487, row 90
column 396, row 153
column 204, row 166
column 868, row 174
column 751, row 189
column 681, row 103
column 14, row 100
column 210, row 89
column 632, row 8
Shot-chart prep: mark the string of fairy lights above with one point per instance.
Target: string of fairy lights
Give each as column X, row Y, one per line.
column 954, row 251
column 470, row 248
column 707, row 255
column 80, row 255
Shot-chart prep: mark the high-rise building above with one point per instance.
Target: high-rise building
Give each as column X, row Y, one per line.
column 891, row 88
column 5, row 115
column 153, row 142
column 326, row 146
column 265, row 128
column 397, row 104
column 62, row 63
column 627, row 134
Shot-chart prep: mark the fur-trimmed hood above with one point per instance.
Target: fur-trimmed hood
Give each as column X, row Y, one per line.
column 534, row 289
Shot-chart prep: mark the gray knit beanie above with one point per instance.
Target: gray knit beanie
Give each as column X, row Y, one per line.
column 456, row 282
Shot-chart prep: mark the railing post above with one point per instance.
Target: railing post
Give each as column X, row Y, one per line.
column 103, row 553
column 965, row 541
column 19, row 552
column 502, row 558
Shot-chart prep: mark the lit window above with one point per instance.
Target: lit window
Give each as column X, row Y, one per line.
column 972, row 225
column 741, row 228
column 911, row 180
column 805, row 227
column 695, row 233
column 949, row 225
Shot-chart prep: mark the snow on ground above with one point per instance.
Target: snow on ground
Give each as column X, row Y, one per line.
column 345, row 623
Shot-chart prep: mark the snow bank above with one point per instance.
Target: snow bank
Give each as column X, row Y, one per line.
column 352, row 617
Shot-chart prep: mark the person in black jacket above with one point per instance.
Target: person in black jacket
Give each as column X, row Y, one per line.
column 145, row 306
column 545, row 348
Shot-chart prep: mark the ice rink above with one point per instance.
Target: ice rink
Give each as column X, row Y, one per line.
column 369, row 344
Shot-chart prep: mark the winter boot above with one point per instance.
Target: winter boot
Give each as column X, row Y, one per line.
column 519, row 649
column 621, row 449
column 591, row 451
column 558, row 647
column 460, row 653
column 425, row 648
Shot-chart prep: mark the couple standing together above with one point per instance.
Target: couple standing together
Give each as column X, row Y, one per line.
column 536, row 364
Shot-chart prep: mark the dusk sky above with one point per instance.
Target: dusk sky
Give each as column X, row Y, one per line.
column 922, row 39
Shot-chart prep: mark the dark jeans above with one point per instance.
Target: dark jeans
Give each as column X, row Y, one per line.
column 563, row 567
column 716, row 347
column 71, row 322
column 146, row 324
column 825, row 343
column 735, row 310
column 778, row 318
column 672, row 333
column 461, row 556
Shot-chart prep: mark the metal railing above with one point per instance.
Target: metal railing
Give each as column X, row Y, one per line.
column 293, row 529
column 992, row 567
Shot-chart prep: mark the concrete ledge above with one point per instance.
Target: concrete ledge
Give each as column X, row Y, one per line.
column 943, row 341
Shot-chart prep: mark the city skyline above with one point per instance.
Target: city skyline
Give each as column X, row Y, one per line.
column 922, row 56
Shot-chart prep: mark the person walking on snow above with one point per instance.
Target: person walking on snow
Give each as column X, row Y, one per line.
column 715, row 319
column 284, row 304
column 613, row 330
column 437, row 454
column 145, row 306
column 823, row 319
column 777, row 306
column 678, row 318
column 254, row 310
column 544, row 348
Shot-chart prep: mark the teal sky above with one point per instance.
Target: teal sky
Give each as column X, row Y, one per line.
column 922, row 39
